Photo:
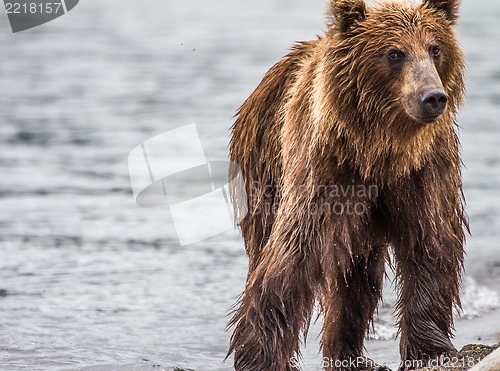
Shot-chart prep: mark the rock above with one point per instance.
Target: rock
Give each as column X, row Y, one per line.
column 490, row 363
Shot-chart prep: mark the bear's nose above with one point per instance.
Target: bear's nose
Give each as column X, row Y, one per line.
column 433, row 102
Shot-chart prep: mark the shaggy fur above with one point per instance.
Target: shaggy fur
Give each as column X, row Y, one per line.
column 336, row 113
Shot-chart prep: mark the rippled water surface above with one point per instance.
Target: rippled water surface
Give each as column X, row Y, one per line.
column 88, row 280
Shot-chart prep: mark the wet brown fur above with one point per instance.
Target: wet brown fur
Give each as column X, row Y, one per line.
column 329, row 113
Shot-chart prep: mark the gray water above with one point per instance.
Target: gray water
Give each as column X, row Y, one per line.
column 88, row 280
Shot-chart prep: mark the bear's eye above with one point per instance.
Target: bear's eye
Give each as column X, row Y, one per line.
column 435, row 51
column 396, row 55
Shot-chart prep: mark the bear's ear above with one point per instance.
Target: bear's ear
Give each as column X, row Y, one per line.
column 346, row 13
column 448, row 7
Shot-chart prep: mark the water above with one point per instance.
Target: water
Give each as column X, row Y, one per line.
column 89, row 281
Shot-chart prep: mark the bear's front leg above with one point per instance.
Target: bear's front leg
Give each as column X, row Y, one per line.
column 277, row 303
column 429, row 273
column 275, row 308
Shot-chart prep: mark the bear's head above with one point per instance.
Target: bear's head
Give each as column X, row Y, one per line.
column 396, row 61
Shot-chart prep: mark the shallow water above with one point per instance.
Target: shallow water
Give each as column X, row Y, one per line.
column 88, row 280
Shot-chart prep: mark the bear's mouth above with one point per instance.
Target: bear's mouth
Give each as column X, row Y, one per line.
column 424, row 119
column 429, row 119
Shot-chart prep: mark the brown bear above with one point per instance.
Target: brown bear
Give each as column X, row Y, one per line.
column 348, row 148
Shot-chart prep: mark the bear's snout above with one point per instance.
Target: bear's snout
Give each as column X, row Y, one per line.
column 432, row 103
